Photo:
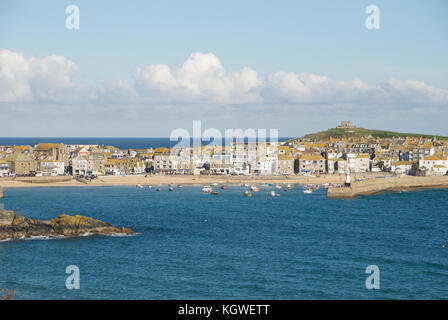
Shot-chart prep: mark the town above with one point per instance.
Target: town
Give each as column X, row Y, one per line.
column 400, row 155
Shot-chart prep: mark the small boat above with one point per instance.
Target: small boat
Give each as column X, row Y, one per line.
column 223, row 187
column 246, row 185
column 214, row 193
column 247, row 193
column 214, row 184
column 254, row 189
column 150, row 187
column 288, row 186
column 308, row 190
column 170, row 188
column 278, row 187
column 158, row 189
column 207, row 189
column 179, row 186
column 139, row 186
column 272, row 193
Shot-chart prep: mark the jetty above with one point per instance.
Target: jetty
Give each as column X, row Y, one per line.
column 394, row 183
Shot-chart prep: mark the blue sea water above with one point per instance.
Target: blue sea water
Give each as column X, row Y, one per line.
column 198, row 246
column 121, row 143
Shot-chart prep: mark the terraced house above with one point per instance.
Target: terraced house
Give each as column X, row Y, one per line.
column 21, row 164
column 312, row 163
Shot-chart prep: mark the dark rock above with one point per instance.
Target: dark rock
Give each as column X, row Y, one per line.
column 63, row 225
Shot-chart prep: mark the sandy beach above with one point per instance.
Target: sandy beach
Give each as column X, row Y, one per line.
column 164, row 180
column 371, row 182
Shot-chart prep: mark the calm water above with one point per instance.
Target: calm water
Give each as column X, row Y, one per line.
column 121, row 143
column 192, row 245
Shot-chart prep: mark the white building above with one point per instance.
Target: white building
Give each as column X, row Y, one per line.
column 79, row 166
column 402, row 167
column 435, row 165
column 52, row 167
column 4, row 168
column 358, row 162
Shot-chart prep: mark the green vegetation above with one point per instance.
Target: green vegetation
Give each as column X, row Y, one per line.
column 361, row 132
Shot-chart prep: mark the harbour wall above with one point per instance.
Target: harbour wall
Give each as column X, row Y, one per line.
column 400, row 183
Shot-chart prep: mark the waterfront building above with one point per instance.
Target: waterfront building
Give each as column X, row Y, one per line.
column 313, row 163
column 20, row 163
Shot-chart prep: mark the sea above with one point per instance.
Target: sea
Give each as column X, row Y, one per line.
column 190, row 245
column 121, row 143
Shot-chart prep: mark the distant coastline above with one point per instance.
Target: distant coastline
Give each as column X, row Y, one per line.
column 120, row 143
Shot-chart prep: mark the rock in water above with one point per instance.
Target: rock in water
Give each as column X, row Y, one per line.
column 18, row 227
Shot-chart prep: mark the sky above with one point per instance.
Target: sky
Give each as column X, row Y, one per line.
column 145, row 68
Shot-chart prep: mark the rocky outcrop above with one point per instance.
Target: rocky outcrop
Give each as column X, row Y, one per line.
column 64, row 225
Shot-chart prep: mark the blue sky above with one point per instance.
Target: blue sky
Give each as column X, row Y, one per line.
column 278, row 40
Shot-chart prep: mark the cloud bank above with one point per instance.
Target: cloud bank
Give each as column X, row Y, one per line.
column 201, row 78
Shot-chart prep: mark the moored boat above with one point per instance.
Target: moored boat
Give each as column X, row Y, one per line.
column 207, row 189
column 308, row 190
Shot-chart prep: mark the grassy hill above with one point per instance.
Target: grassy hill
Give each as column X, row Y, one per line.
column 359, row 132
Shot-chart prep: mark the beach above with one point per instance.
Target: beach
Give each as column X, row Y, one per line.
column 132, row 180
column 362, row 184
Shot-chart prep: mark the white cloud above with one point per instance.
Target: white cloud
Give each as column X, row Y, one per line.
column 201, row 79
column 414, row 93
column 31, row 79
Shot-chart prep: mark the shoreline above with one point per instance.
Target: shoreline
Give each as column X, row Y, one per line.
column 372, row 183
column 37, row 182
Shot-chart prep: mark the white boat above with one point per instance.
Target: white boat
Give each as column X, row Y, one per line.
column 279, row 187
column 139, row 186
column 272, row 193
column 207, row 189
column 308, row 191
column 150, row 187
column 214, row 184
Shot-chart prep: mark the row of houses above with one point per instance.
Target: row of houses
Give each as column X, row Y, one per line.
column 409, row 155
